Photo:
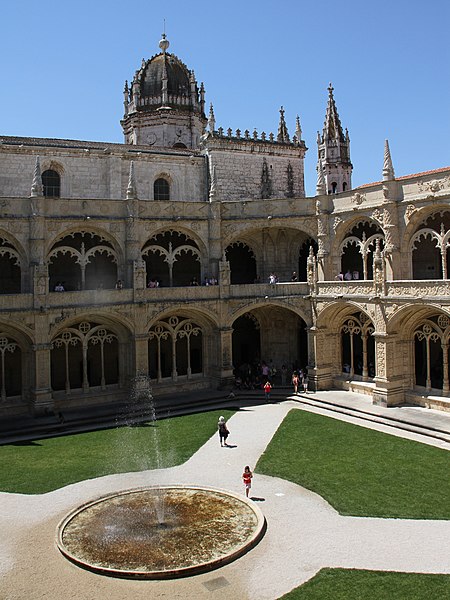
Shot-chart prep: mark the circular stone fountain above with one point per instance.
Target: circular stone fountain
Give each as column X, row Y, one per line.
column 160, row 532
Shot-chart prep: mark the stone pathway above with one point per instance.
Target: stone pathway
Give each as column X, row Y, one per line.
column 304, row 532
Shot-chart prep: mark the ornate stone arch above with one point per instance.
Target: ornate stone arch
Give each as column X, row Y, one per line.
column 428, row 245
column 172, row 260
column 177, row 345
column 84, row 248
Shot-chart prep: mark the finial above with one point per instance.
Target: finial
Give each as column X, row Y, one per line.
column 283, row 135
column 36, row 186
column 320, row 185
column 388, row 169
column 164, row 42
column 131, row 188
column 298, row 129
column 211, row 119
column 330, row 89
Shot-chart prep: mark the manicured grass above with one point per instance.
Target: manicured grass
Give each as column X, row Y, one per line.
column 44, row 465
column 359, row 471
column 342, row 584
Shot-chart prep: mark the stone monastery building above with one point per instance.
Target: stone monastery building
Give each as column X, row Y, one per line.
column 172, row 255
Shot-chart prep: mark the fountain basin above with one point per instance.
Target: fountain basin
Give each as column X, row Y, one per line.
column 160, row 532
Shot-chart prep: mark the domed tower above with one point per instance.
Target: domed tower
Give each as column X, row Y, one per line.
column 164, row 105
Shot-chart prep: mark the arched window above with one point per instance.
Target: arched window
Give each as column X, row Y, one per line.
column 333, row 187
column 344, row 186
column 161, row 189
column 51, row 182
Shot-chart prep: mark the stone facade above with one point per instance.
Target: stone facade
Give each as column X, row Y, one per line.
column 128, row 231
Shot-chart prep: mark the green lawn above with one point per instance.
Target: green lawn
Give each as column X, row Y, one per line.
column 41, row 466
column 342, row 584
column 359, row 471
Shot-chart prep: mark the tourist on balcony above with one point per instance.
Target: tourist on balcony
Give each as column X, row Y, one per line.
column 152, row 283
column 59, row 287
column 348, row 275
column 355, row 274
column 194, row 281
column 294, row 276
column 119, row 284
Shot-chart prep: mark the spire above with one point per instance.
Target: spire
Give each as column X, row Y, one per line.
column 298, row 129
column 131, row 188
column 388, row 169
column 334, row 151
column 283, row 135
column 321, row 188
column 36, row 186
column 211, row 119
column 332, row 127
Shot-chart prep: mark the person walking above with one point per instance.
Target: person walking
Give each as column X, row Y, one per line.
column 267, row 389
column 295, row 381
column 305, row 383
column 247, row 478
column 223, row 431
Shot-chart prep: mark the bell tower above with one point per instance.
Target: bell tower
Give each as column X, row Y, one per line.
column 334, row 151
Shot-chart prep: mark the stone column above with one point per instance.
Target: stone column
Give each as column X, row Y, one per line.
column 140, row 366
column 226, row 377
column 41, row 393
column 388, row 372
column 445, row 386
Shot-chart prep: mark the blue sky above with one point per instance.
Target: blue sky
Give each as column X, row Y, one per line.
column 64, row 65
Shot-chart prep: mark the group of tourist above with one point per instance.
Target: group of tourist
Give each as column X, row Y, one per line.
column 347, row 276
column 300, row 381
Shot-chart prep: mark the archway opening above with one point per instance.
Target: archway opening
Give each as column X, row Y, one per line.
column 242, row 263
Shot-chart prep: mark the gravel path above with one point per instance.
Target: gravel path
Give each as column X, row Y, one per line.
column 304, row 533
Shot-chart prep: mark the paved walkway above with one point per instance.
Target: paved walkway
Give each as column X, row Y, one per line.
column 304, row 533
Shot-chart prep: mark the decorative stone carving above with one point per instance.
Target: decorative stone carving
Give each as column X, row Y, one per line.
column 381, row 358
column 336, row 222
column 433, row 186
column 410, row 289
column 358, row 198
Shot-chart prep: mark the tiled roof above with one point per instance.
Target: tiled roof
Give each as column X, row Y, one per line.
column 441, row 170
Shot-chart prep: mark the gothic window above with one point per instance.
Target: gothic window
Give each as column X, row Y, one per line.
column 430, row 247
column 333, row 188
column 172, row 259
column 84, row 356
column 175, row 349
column 358, row 347
column 161, row 189
column 357, row 250
column 51, row 182
column 431, row 353
column 82, row 261
column 344, row 186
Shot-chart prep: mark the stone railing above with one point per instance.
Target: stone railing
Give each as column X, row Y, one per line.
column 419, row 289
column 16, row 301
column 343, row 288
